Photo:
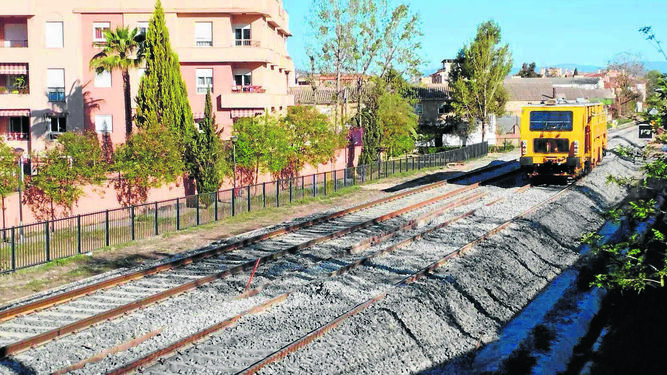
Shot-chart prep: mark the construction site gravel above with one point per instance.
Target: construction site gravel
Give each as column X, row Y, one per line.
column 417, row 327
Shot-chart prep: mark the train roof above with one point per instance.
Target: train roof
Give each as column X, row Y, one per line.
column 561, row 104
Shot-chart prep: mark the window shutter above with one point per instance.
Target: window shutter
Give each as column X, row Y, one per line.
column 203, row 31
column 54, row 34
column 55, row 78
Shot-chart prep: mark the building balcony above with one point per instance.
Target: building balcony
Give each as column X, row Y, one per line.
column 241, row 99
column 15, row 32
column 13, row 136
column 14, row 44
column 248, row 89
column 227, row 54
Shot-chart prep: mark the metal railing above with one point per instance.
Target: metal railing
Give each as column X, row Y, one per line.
column 39, row 243
column 247, row 43
column 248, row 89
column 56, row 94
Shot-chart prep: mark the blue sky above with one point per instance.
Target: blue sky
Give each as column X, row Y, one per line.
column 585, row 32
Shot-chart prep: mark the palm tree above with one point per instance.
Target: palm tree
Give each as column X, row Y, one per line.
column 122, row 50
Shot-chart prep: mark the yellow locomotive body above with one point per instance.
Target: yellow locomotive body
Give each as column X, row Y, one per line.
column 564, row 139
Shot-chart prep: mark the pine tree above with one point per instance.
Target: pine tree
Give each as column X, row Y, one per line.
column 162, row 97
column 206, row 159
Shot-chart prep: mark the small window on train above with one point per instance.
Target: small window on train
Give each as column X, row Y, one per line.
column 551, row 121
column 551, row 145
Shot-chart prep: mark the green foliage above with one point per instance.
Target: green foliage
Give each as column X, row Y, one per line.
column 76, row 161
column 641, row 210
column 311, row 137
column 634, row 264
column 162, row 99
column 9, row 170
column 388, row 119
column 206, row 154
column 528, row 71
column 122, row 51
column 253, row 143
column 476, row 79
column 149, row 159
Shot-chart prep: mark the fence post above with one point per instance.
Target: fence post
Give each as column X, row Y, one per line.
column 47, row 244
column 197, row 197
column 386, row 169
column 314, row 185
column 215, row 207
column 13, row 259
column 290, row 190
column 325, row 184
column 278, row 193
column 393, row 167
column 132, row 232
column 178, row 214
column 233, row 202
column 335, row 181
column 303, row 187
column 155, row 220
column 79, row 249
column 248, row 198
column 413, row 163
column 371, row 177
column 107, row 235
column 354, row 176
column 264, row 194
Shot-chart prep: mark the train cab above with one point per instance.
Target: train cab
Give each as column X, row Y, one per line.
column 562, row 139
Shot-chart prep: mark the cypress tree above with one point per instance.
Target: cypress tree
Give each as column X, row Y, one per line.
column 162, row 97
column 206, row 159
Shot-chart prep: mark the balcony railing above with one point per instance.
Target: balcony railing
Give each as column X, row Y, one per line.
column 204, row 43
column 56, row 94
column 14, row 44
column 11, row 136
column 13, row 90
column 248, row 89
column 247, row 43
column 203, row 89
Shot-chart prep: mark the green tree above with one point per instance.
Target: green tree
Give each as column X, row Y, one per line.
column 76, row 161
column 149, row 159
column 250, row 146
column 311, row 138
column 122, row 51
column 389, row 119
column 162, row 97
column 576, row 72
column 207, row 156
column 476, row 79
column 9, row 172
column 528, row 71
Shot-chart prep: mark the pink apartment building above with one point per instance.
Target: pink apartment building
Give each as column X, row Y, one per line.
column 236, row 47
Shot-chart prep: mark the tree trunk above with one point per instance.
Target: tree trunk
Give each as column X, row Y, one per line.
column 127, row 93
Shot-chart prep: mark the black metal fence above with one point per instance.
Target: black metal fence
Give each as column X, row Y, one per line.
column 39, row 243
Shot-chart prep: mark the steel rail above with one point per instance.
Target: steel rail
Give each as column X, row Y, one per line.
column 41, row 338
column 59, row 298
column 322, row 330
column 152, row 357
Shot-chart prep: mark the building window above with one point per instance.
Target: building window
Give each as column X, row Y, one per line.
column 98, row 31
column 242, row 79
column 442, row 109
column 103, row 124
column 242, row 35
column 103, row 79
column 419, row 108
column 204, row 80
column 54, row 35
column 203, row 34
column 55, row 85
column 142, row 28
column 19, row 128
column 142, row 73
column 58, row 126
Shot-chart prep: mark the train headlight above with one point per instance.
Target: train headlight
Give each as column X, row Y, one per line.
column 575, row 146
column 524, row 148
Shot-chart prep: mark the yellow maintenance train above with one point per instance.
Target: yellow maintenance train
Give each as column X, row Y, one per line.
column 562, row 139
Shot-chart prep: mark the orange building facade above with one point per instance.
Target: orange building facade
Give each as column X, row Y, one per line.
column 238, row 48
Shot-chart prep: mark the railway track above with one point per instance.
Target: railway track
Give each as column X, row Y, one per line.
column 310, row 252
column 69, row 312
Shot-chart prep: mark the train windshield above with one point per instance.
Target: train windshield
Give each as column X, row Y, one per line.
column 551, row 121
column 551, row 145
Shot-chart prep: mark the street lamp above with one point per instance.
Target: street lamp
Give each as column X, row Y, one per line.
column 19, row 154
column 234, row 139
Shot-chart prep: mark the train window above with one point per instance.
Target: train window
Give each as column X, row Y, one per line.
column 551, row 121
column 551, row 145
